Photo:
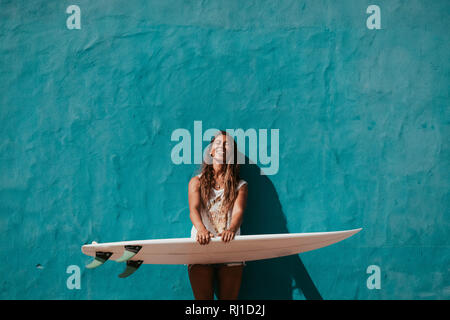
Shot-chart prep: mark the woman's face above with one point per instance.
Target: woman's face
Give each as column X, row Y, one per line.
column 222, row 148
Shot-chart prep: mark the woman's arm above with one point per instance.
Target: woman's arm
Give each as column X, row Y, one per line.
column 237, row 214
column 203, row 235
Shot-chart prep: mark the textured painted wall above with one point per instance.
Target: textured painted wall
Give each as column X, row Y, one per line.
column 86, row 118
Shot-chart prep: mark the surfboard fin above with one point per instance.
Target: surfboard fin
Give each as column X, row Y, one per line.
column 100, row 258
column 129, row 252
column 132, row 266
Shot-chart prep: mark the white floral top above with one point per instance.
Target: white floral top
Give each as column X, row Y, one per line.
column 215, row 221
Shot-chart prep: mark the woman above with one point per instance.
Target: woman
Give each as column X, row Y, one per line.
column 217, row 199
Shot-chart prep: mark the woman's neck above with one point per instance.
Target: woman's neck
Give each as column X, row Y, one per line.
column 217, row 167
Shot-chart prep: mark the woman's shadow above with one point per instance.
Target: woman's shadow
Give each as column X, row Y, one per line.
column 271, row 278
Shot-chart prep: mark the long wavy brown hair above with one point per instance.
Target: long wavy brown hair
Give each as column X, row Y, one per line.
column 230, row 172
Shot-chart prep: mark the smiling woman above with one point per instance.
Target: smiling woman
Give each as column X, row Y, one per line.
column 217, row 200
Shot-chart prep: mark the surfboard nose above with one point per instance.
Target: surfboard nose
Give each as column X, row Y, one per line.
column 352, row 232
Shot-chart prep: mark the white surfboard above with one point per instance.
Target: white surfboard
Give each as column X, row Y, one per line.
column 189, row 251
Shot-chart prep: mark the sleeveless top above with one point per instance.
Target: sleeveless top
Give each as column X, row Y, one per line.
column 214, row 221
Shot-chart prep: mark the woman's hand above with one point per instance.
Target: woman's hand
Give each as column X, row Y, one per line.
column 227, row 235
column 204, row 236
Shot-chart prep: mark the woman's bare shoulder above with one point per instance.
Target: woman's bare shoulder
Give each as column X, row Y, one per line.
column 242, row 184
column 194, row 183
column 243, row 188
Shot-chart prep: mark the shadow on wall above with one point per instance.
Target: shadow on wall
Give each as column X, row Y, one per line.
column 272, row 278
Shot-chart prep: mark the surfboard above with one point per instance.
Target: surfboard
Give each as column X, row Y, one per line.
column 189, row 251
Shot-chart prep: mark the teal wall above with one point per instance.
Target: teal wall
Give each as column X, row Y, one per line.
column 86, row 118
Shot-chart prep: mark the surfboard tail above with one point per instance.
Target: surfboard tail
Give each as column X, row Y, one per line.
column 128, row 253
column 100, row 258
column 132, row 266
